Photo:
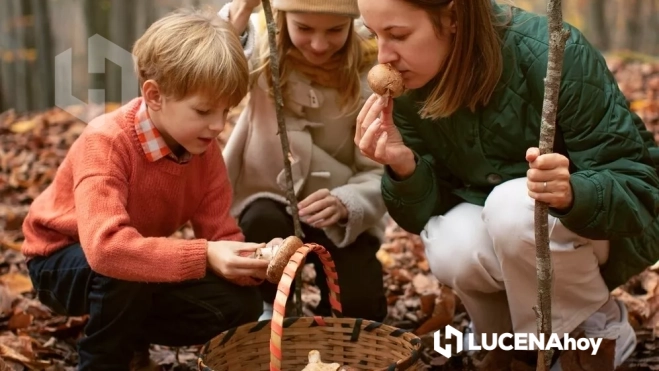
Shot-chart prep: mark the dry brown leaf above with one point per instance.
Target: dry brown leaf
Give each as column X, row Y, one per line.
column 21, row 344
column 442, row 313
column 20, row 320
column 385, row 259
column 11, row 354
column 424, row 265
column 17, row 283
column 7, row 299
column 495, row 360
column 22, row 127
column 583, row 360
column 423, row 283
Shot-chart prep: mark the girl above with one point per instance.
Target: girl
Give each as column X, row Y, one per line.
column 463, row 168
column 323, row 66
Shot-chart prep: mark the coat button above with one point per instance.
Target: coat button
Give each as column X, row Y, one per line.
column 494, row 178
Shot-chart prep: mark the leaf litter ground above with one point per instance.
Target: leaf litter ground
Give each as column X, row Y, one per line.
column 32, row 338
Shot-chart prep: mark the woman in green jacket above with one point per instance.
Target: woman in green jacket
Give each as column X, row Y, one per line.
column 463, row 168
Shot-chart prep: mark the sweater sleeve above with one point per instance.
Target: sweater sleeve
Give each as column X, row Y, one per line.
column 412, row 201
column 113, row 248
column 212, row 221
column 248, row 38
column 362, row 197
column 616, row 187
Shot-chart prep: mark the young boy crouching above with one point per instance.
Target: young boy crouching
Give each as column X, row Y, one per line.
column 97, row 239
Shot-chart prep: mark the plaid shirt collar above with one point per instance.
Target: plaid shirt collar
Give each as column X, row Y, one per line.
column 152, row 142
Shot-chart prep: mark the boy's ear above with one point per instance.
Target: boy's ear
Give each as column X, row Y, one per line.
column 151, row 94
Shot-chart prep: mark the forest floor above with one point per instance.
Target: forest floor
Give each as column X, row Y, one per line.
column 32, row 338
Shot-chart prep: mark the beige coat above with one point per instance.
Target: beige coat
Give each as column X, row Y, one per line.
column 322, row 148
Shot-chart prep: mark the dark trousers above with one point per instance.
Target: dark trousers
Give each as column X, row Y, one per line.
column 359, row 271
column 128, row 316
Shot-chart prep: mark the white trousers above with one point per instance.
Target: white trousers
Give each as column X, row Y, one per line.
column 487, row 255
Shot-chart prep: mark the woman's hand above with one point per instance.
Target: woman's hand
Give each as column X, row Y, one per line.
column 548, row 179
column 224, row 258
column 322, row 208
column 379, row 139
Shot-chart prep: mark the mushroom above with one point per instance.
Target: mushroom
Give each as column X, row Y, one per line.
column 315, row 364
column 385, row 81
column 278, row 256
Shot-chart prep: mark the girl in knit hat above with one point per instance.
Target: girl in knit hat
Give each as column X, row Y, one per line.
column 323, row 63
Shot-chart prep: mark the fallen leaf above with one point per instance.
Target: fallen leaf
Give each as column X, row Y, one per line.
column 385, row 258
column 11, row 354
column 442, row 314
column 583, row 360
column 422, row 283
column 21, row 344
column 21, row 127
column 20, row 320
column 17, row 283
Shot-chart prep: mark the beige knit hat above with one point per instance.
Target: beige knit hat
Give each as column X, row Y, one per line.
column 342, row 7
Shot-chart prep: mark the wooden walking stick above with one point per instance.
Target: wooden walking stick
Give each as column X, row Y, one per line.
column 557, row 38
column 281, row 123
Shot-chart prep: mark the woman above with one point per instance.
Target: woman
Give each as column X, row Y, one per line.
column 463, row 168
column 323, row 65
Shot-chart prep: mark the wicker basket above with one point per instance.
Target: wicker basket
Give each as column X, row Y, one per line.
column 283, row 344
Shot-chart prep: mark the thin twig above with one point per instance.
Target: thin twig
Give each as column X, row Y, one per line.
column 557, row 38
column 279, row 103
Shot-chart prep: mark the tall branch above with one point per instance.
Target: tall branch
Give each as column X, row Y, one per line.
column 557, row 38
column 281, row 123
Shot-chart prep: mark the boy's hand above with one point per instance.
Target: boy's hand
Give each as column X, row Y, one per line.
column 225, row 260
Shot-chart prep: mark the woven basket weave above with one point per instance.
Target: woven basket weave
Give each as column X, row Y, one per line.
column 283, row 344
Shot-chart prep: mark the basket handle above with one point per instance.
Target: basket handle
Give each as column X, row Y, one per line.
column 283, row 292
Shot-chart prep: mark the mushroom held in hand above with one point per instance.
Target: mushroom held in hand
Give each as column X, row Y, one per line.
column 278, row 255
column 385, row 81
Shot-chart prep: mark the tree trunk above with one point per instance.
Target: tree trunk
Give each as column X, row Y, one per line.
column 96, row 22
column 123, row 16
column 43, row 42
column 26, row 58
column 598, row 24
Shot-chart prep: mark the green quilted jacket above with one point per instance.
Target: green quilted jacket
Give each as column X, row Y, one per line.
column 461, row 158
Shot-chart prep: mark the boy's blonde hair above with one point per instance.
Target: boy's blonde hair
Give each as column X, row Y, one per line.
column 193, row 52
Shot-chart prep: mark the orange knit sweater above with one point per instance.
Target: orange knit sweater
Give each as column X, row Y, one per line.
column 122, row 208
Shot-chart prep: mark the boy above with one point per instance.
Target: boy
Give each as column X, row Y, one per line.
column 96, row 239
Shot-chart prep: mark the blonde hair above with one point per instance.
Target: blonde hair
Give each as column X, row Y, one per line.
column 356, row 57
column 474, row 65
column 193, row 52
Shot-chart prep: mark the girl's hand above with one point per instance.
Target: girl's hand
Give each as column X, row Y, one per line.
column 378, row 138
column 224, row 258
column 322, row 208
column 239, row 13
column 548, row 179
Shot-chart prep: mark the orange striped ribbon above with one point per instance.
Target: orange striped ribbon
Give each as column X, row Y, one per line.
column 283, row 291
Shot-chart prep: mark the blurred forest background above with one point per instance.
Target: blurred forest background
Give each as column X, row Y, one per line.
column 33, row 32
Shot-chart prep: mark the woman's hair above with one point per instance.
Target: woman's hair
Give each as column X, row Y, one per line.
column 355, row 59
column 474, row 64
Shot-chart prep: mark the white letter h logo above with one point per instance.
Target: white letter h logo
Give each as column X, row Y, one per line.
column 450, row 332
